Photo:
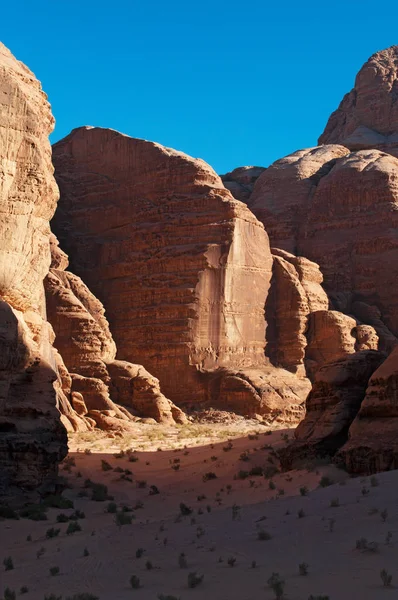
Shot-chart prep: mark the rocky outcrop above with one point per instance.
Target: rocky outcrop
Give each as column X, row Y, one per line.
column 282, row 195
column 240, row 182
column 368, row 115
column 94, row 381
column 296, row 292
column 182, row 268
column 332, row 405
column 32, row 439
column 373, row 444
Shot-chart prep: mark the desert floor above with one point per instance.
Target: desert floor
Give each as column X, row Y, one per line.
column 242, row 528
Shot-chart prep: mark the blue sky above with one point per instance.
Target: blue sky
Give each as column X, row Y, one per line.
column 234, row 83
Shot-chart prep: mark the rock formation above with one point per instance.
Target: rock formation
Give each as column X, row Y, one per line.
column 283, row 193
column 368, row 115
column 95, row 382
column 240, row 182
column 32, row 439
column 182, row 268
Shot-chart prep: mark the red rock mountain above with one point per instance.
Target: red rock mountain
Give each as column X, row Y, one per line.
column 368, row 115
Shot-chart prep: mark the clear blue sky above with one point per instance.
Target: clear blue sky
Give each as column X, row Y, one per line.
column 234, row 83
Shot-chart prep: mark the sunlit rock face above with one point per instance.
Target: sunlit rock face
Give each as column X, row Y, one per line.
column 32, row 439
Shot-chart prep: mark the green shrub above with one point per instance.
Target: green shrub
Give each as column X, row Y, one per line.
column 325, row 481
column 62, row 518
column 24, row 590
column 112, row 507
column 6, row 512
column 57, row 501
column 122, row 518
column 34, row 512
column 304, row 490
column 185, row 510
column 386, row 578
column 263, row 535
column 303, row 568
column 54, row 571
column 9, row 594
column 105, row 466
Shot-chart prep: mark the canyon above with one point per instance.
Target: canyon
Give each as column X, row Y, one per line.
column 138, row 287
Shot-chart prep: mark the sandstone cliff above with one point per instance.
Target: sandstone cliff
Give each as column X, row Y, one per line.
column 368, row 115
column 182, row 268
column 32, row 439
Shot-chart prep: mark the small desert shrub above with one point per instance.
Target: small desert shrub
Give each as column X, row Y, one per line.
column 105, row 466
column 194, row 580
column 73, row 527
column 8, row 563
column 388, row 537
column 111, row 507
column 304, row 490
column 242, row 475
column 77, row 514
column 139, row 552
column 182, row 561
column 34, row 512
column 99, row 492
column 54, row 571
column 374, row 482
column 185, row 510
column 364, row 546
column 208, row 476
column 254, row 564
column 386, row 578
column 384, row 515
column 6, row 512
column 122, row 518
column 263, row 535
column 57, row 501
column 24, row 590
column 86, row 552
column 301, row 514
column 334, row 503
column 135, row 582
column 9, row 594
column 153, row 490
column 325, row 481
column 81, row 597
column 52, row 533
column 133, row 458
column 365, row 491
column 256, row 471
column 231, row 561
column 270, row 471
column 318, row 597
column 303, row 568
column 40, row 552
column 244, row 457
column 277, row 584
column 62, row 518
column 271, row 485
column 148, row 565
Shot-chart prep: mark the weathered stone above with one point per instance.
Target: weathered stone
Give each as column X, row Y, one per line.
column 240, row 182
column 182, row 268
column 368, row 115
column 33, row 439
column 282, row 195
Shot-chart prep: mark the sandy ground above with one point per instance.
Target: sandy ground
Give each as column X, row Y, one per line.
column 320, row 528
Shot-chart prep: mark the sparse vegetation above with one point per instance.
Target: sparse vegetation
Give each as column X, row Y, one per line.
column 52, row 533
column 277, row 585
column 123, row 518
column 364, row 546
column 334, row 503
column 325, row 481
column 185, row 510
column 8, row 563
column 73, row 527
column 304, row 491
column 263, row 535
column 208, row 476
column 9, row 594
column 301, row 513
column 303, row 568
column 231, row 561
column 182, row 561
column 135, row 582
column 54, row 571
column 194, row 580
column 386, row 578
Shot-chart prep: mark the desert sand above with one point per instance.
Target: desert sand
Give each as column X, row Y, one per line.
column 230, row 513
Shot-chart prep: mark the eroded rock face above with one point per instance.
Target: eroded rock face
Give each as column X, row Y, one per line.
column 373, row 444
column 296, row 292
column 32, row 440
column 368, row 115
column 332, row 406
column 183, row 269
column 240, row 182
column 92, row 380
column 283, row 194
